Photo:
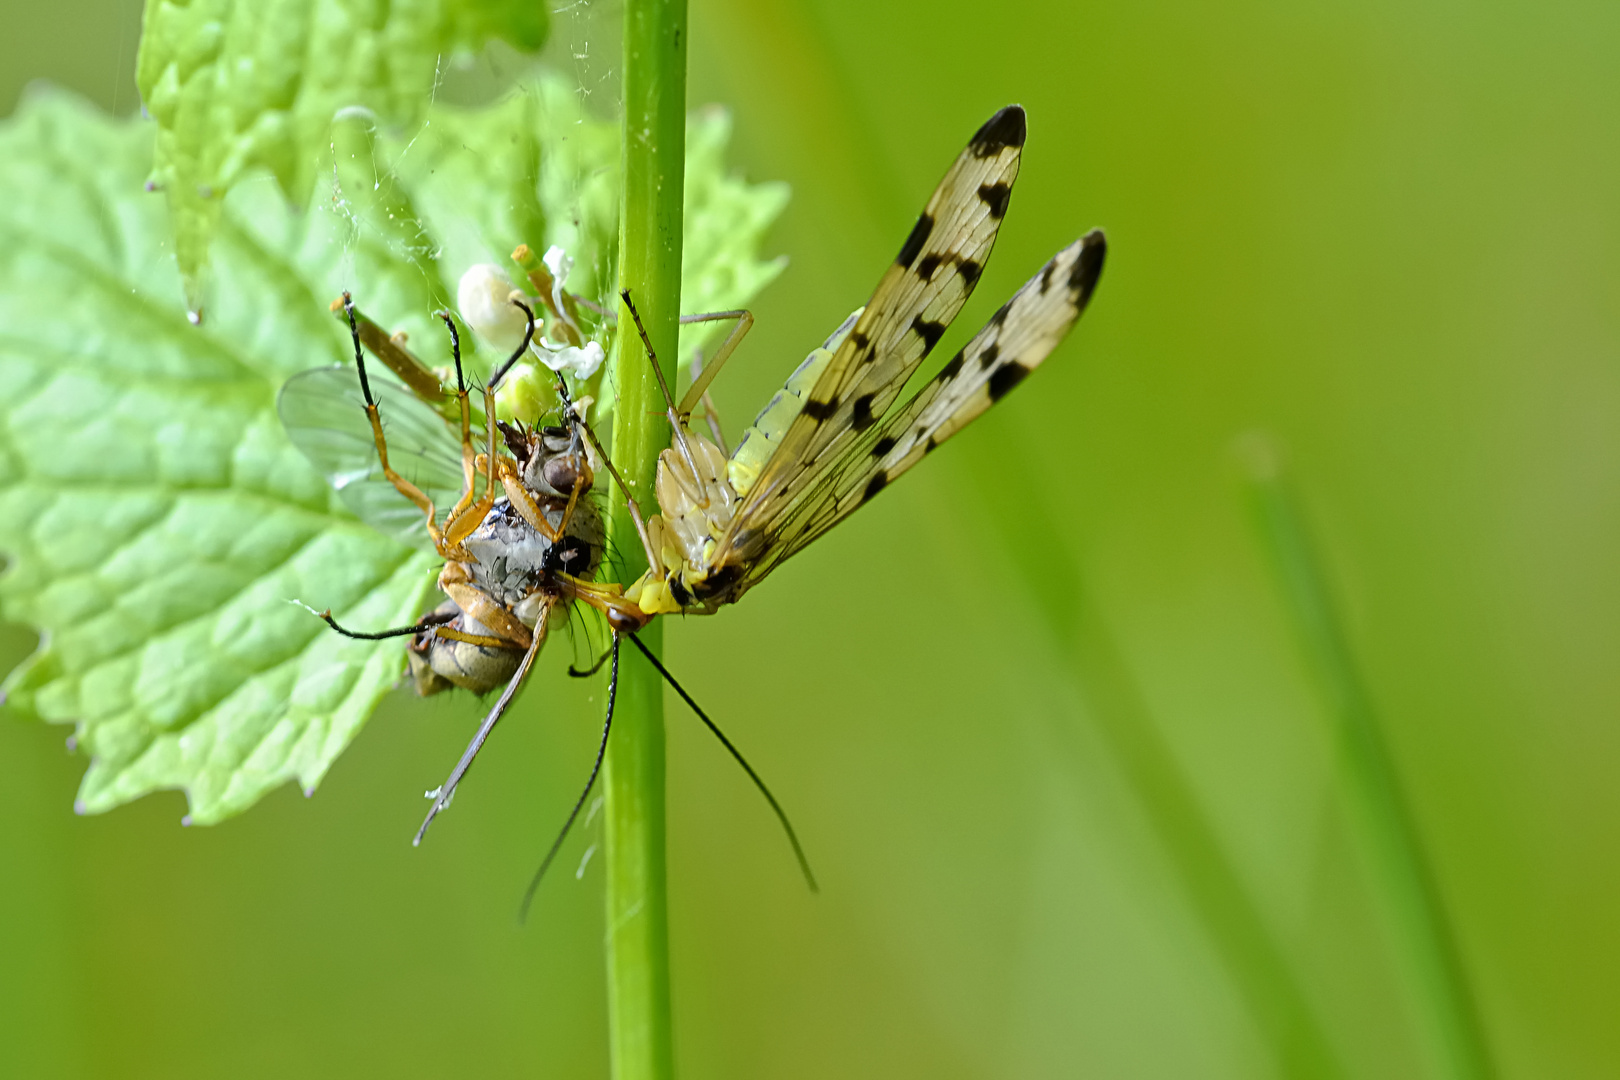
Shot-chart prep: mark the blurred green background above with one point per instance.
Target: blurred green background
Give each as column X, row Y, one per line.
column 1039, row 713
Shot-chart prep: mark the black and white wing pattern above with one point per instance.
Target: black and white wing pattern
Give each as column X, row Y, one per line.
column 919, row 295
column 324, row 415
column 1012, row 344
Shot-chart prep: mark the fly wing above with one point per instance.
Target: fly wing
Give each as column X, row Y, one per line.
column 441, row 797
column 1012, row 344
column 919, row 295
column 325, row 417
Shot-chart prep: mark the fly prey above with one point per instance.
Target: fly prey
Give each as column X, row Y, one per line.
column 521, row 538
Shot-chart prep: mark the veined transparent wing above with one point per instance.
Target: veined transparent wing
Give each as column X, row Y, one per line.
column 929, row 281
column 325, row 417
column 1021, row 334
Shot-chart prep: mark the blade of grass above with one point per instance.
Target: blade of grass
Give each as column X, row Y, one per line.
column 654, row 140
column 1378, row 808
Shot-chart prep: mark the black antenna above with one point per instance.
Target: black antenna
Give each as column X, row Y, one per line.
column 437, row 618
column 781, row 815
column 528, row 336
column 596, row 767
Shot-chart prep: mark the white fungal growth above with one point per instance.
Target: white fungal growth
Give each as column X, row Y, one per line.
column 581, row 363
column 559, row 263
column 484, row 297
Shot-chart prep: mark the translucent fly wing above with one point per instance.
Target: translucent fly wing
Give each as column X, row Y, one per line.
column 923, row 290
column 1012, row 344
column 325, row 417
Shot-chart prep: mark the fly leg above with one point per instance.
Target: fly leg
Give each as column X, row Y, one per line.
column 429, row 621
column 464, row 522
column 710, row 413
column 402, row 485
column 518, row 495
column 703, row 373
column 655, row 563
column 676, row 421
column 391, row 351
column 468, row 454
column 456, row 583
column 622, row 615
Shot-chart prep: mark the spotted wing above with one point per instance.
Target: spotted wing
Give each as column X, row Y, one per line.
column 325, row 418
column 1012, row 344
column 919, row 295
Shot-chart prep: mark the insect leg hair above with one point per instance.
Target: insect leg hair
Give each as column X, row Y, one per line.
column 447, row 792
column 590, row 782
column 781, row 815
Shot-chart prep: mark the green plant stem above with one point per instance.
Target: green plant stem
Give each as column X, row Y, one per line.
column 1378, row 808
column 654, row 141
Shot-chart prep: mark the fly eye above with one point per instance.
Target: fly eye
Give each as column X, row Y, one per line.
column 560, row 473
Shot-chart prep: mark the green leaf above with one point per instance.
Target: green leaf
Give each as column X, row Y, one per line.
column 480, row 184
column 238, row 85
column 156, row 520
